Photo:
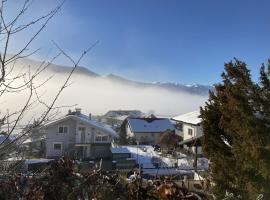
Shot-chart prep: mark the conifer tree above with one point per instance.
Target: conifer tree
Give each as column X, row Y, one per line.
column 123, row 140
column 236, row 133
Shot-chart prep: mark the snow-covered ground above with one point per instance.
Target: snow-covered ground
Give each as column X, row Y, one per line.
column 144, row 155
column 41, row 160
column 30, row 161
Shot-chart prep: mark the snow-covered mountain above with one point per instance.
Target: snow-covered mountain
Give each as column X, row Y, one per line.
column 176, row 87
column 98, row 94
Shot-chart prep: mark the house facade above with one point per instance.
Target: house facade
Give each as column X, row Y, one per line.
column 147, row 130
column 78, row 135
column 189, row 127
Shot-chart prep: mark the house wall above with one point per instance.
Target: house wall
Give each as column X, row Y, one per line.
column 102, row 151
column 65, row 139
column 197, row 130
column 89, row 133
column 147, row 138
column 95, row 149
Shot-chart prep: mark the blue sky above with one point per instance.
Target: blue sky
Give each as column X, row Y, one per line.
column 185, row 41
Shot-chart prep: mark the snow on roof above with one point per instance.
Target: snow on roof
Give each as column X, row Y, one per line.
column 149, row 124
column 191, row 117
column 87, row 120
column 122, row 118
column 30, row 140
column 27, row 141
column 119, row 150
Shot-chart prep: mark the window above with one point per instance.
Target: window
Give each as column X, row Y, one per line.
column 57, row 146
column 102, row 138
column 98, row 138
column 190, row 131
column 63, row 129
column 82, row 129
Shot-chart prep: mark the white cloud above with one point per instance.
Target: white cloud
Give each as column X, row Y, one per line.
column 98, row 95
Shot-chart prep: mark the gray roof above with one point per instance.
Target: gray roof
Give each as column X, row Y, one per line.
column 151, row 125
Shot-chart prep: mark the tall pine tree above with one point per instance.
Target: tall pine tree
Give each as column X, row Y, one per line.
column 236, row 133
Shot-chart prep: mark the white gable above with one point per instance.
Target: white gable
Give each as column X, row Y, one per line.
column 83, row 118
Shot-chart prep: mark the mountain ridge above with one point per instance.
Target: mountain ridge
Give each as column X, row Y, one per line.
column 198, row 89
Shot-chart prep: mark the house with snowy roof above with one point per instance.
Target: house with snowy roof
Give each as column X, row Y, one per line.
column 148, row 130
column 188, row 126
column 78, row 135
column 115, row 118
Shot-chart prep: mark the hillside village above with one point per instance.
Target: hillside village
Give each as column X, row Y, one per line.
column 152, row 147
column 134, row 100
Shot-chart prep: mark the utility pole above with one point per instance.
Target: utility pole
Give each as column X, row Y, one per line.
column 137, row 153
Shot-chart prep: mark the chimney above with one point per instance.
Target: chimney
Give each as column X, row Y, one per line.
column 90, row 116
column 78, row 111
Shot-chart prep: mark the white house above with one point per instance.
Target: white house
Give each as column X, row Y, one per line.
column 78, row 135
column 148, row 130
column 189, row 127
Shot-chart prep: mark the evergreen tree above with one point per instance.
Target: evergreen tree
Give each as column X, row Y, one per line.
column 123, row 140
column 236, row 135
